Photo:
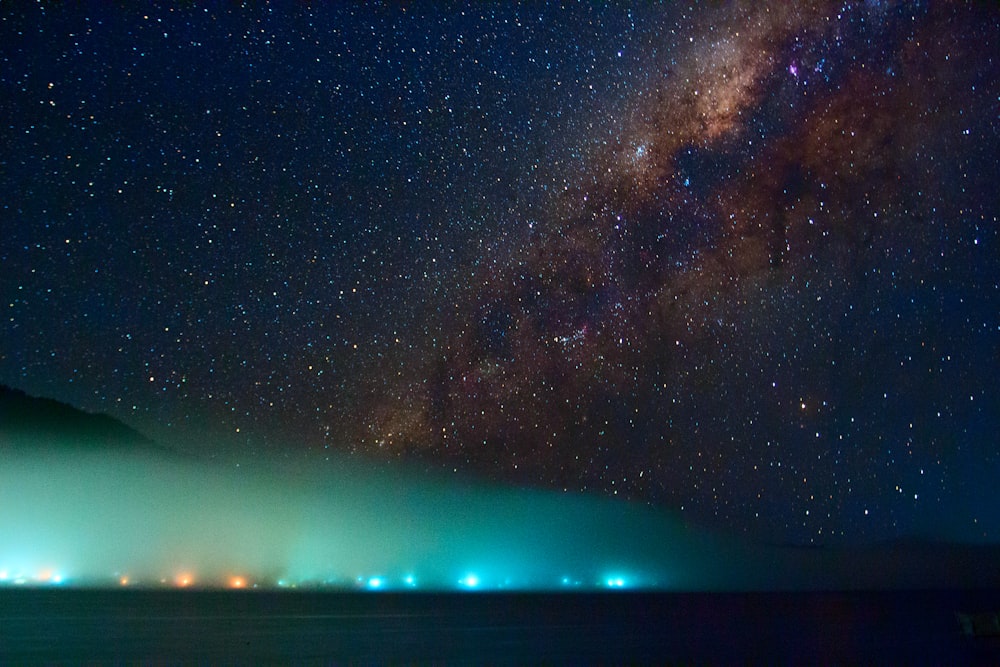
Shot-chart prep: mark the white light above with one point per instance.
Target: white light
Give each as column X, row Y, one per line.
column 375, row 582
column 410, row 580
column 470, row 581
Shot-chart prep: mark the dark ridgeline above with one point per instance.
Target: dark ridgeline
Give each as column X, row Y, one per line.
column 27, row 420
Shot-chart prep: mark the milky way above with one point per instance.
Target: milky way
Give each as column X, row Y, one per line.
column 718, row 304
column 737, row 261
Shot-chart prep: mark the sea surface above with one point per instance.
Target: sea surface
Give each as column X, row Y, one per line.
column 63, row 626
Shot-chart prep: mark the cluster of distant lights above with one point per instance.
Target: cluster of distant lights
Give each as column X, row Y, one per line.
column 42, row 577
column 470, row 581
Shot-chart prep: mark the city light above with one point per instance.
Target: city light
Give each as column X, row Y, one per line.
column 15, row 573
column 471, row 580
column 298, row 533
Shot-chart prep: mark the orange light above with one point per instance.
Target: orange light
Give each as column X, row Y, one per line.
column 123, row 581
column 184, row 580
column 237, row 582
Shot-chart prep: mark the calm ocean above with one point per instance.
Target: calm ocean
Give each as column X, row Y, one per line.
column 48, row 626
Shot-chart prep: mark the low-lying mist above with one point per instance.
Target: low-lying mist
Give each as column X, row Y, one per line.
column 96, row 516
column 143, row 517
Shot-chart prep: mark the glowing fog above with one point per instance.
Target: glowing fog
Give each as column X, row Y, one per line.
column 72, row 517
column 73, row 514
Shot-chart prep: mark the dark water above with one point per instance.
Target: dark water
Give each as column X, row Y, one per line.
column 45, row 626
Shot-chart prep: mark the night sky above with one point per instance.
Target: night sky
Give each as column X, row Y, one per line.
column 740, row 262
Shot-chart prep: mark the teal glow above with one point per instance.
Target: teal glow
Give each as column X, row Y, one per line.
column 147, row 520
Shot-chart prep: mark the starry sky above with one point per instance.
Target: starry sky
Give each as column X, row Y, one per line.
column 740, row 261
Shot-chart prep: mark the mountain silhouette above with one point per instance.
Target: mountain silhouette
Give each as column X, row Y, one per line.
column 26, row 420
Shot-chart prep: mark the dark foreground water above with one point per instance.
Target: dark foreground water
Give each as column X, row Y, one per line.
column 45, row 626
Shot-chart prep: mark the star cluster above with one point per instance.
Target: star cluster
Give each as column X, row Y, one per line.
column 737, row 260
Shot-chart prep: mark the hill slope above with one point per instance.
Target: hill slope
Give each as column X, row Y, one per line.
column 26, row 419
